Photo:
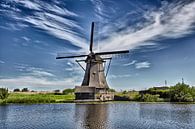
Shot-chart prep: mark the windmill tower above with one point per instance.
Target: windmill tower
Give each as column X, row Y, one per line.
column 94, row 85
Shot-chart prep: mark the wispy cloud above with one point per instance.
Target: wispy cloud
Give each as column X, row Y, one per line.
column 142, row 65
column 62, row 11
column 59, row 27
column 40, row 73
column 103, row 9
column 36, row 82
column 2, row 62
column 37, row 78
column 74, row 68
column 131, row 63
column 113, row 76
column 33, row 71
column 99, row 8
column 172, row 20
column 50, row 17
column 28, row 4
column 13, row 26
column 26, row 38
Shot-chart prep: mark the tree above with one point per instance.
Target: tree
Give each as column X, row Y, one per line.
column 162, row 91
column 16, row 90
column 68, row 91
column 57, row 92
column 150, row 98
column 4, row 93
column 193, row 92
column 124, row 92
column 181, row 93
column 111, row 90
column 25, row 90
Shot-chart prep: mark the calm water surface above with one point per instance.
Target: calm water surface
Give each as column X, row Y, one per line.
column 98, row 116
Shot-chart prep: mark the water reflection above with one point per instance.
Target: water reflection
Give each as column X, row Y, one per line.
column 91, row 116
column 169, row 112
column 3, row 116
column 181, row 113
column 98, row 116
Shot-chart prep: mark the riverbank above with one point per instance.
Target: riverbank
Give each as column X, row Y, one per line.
column 181, row 93
column 37, row 98
column 19, row 98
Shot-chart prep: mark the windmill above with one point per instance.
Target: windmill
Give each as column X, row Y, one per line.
column 94, row 85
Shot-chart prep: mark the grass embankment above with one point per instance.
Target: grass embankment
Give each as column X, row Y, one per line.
column 126, row 96
column 179, row 93
column 38, row 98
column 137, row 97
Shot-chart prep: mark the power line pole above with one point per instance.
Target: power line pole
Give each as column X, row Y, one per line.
column 182, row 81
column 165, row 82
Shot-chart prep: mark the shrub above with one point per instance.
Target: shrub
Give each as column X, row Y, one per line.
column 181, row 93
column 121, row 98
column 68, row 91
column 57, row 92
column 164, row 93
column 16, row 90
column 25, row 90
column 4, row 93
column 124, row 92
column 193, row 92
column 150, row 98
column 127, row 96
column 111, row 90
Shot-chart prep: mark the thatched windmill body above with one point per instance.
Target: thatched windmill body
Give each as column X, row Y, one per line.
column 94, row 81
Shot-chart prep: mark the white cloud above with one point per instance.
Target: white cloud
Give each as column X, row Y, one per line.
column 26, row 38
column 13, row 26
column 28, row 4
column 52, row 18
column 59, row 27
column 170, row 21
column 38, row 72
column 42, row 73
column 2, row 62
column 113, row 76
column 141, row 65
column 33, row 71
column 131, row 63
column 103, row 10
column 36, row 82
column 38, row 78
column 73, row 67
column 58, row 10
column 41, row 5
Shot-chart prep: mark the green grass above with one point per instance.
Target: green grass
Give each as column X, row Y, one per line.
column 38, row 98
column 128, row 96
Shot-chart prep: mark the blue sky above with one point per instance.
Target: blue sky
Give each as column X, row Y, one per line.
column 159, row 34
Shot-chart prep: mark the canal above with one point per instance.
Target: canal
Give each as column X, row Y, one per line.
column 116, row 115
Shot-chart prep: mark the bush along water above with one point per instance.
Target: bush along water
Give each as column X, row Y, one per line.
column 181, row 92
column 3, row 95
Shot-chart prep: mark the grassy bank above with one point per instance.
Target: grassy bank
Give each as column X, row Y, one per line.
column 18, row 98
column 179, row 93
column 38, row 98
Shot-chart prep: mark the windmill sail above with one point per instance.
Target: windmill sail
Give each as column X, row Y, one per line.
column 91, row 39
column 112, row 52
column 69, row 55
